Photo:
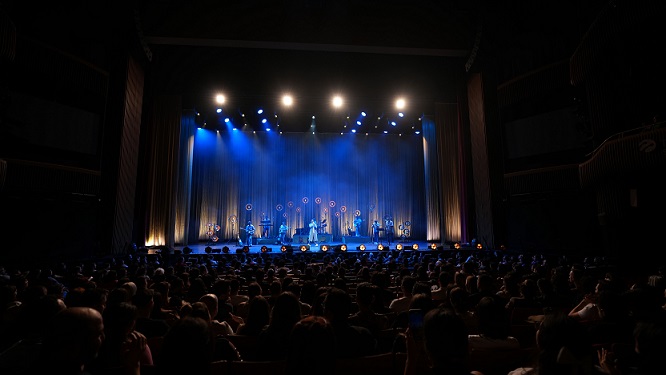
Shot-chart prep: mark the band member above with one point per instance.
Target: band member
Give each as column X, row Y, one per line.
column 357, row 226
column 282, row 231
column 388, row 228
column 375, row 232
column 312, row 237
column 249, row 229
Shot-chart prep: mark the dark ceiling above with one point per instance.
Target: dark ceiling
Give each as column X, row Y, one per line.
column 368, row 51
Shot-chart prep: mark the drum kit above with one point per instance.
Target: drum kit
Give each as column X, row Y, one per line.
column 322, row 228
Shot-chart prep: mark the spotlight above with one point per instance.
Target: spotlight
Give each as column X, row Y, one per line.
column 479, row 246
column 380, row 247
column 456, row 246
column 399, row 247
column 266, row 249
column 283, row 248
column 324, row 248
column 415, row 246
column 246, row 249
column 208, row 249
column 187, row 250
column 225, row 249
column 342, row 248
column 361, row 248
column 433, row 246
column 304, row 248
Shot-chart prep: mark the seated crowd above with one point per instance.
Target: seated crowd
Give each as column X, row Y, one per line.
column 448, row 313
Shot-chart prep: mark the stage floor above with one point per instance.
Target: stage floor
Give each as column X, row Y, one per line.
column 354, row 244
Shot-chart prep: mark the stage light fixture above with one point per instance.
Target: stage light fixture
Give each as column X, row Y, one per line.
column 225, row 249
column 399, row 247
column 304, row 248
column 187, row 250
column 208, row 249
column 456, row 246
column 265, row 249
column 246, row 249
column 361, row 248
column 433, row 246
column 283, row 248
column 380, row 247
column 479, row 246
column 342, row 248
column 415, row 246
column 324, row 248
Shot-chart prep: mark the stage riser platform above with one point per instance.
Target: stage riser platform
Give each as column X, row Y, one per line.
column 353, row 239
column 302, row 239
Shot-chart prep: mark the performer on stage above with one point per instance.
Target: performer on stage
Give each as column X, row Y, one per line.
column 282, row 231
column 312, row 237
column 375, row 232
column 388, row 228
column 249, row 229
column 357, row 226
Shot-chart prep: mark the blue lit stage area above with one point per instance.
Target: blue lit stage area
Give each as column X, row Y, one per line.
column 272, row 178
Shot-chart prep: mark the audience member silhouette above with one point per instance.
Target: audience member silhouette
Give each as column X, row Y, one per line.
column 284, row 315
column 351, row 341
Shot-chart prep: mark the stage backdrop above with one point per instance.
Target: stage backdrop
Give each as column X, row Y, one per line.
column 230, row 177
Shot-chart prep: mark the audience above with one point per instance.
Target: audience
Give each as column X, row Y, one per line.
column 344, row 297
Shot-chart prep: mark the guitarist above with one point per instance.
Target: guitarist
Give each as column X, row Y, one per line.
column 282, row 232
column 249, row 229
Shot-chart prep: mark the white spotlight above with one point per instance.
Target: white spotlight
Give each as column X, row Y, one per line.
column 400, row 103
column 219, row 110
column 220, row 99
column 337, row 102
column 287, row 100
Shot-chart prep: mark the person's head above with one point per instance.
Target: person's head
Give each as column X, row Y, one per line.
column 188, row 338
column 259, row 312
column 309, row 347
column 492, row 318
column 286, row 311
column 445, row 337
column 407, row 284
column 564, row 345
column 73, row 338
column 211, row 302
column 365, row 294
column 337, row 305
